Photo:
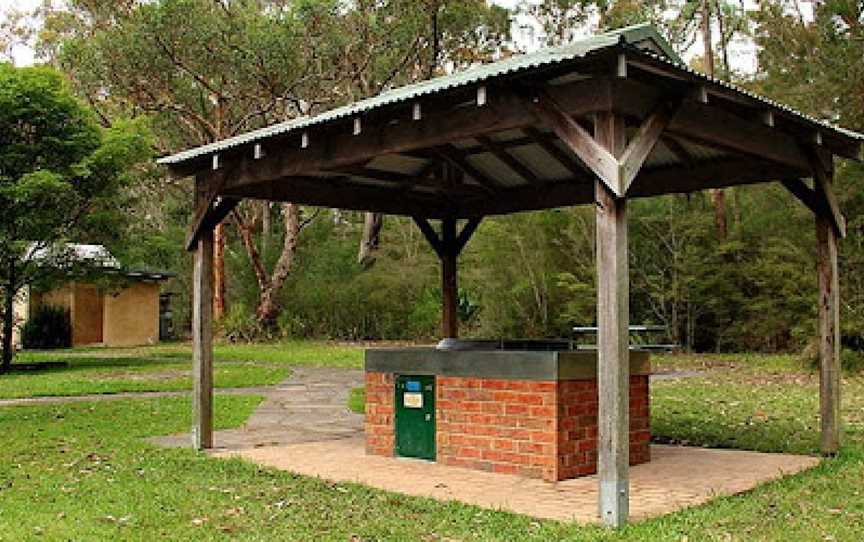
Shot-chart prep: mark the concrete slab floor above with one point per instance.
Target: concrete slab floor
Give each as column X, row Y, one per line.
column 676, row 478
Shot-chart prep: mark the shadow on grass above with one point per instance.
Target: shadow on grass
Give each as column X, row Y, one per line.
column 65, row 363
column 773, row 436
column 37, row 366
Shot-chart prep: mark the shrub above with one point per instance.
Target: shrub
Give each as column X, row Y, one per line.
column 239, row 324
column 851, row 361
column 48, row 327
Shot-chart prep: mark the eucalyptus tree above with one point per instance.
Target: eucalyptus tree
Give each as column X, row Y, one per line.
column 205, row 70
column 812, row 60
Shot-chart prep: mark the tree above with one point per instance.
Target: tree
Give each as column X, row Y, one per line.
column 235, row 66
column 60, row 178
column 814, row 64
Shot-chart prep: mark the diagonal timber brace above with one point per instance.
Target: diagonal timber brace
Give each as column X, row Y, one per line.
column 820, row 199
column 600, row 161
column 442, row 246
column 448, row 245
column 617, row 174
column 210, row 210
column 644, row 141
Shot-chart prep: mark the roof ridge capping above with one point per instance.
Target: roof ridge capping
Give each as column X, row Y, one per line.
column 646, row 36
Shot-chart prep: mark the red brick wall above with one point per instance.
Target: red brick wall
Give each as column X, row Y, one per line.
column 577, row 426
column 538, row 429
column 380, row 416
column 503, row 426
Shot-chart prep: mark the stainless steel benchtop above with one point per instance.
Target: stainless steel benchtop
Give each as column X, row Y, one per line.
column 496, row 363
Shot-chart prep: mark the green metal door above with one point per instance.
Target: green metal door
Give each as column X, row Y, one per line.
column 415, row 416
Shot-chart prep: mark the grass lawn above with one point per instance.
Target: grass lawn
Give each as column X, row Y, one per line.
column 81, row 471
column 167, row 367
column 357, row 400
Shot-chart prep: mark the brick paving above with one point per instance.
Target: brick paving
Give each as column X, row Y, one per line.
column 677, row 477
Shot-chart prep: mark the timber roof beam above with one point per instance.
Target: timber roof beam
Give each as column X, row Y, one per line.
column 365, row 156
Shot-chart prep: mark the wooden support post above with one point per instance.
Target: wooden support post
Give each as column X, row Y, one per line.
column 202, row 342
column 829, row 333
column 613, row 307
column 448, row 246
column 449, row 286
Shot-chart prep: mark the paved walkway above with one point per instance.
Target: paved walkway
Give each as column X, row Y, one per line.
column 294, row 384
column 676, row 477
column 311, row 405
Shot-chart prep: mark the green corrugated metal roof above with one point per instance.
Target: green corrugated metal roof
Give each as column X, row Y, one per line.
column 630, row 35
column 782, row 107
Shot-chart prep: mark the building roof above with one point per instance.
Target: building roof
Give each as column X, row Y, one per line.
column 643, row 37
column 516, row 135
column 100, row 257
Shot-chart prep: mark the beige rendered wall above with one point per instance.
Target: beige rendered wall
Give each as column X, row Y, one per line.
column 61, row 297
column 132, row 315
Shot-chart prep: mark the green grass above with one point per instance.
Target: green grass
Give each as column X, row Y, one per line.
column 357, row 400
column 167, row 367
column 83, row 472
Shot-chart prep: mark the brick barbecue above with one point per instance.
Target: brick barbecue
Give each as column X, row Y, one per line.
column 530, row 413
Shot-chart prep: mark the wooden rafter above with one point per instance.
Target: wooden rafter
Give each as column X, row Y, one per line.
column 457, row 158
column 377, row 174
column 681, row 153
column 573, row 166
column 500, row 152
column 506, row 109
column 711, row 126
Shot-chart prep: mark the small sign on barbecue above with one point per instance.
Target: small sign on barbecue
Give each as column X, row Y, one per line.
column 412, row 400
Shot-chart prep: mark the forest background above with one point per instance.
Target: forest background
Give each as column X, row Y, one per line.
column 729, row 270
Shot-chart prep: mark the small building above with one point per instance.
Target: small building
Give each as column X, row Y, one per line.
column 126, row 313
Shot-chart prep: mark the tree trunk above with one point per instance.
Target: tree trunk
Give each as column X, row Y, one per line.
column 706, row 37
column 8, row 328
column 718, row 198
column 268, row 308
column 370, row 240
column 265, row 228
column 219, row 272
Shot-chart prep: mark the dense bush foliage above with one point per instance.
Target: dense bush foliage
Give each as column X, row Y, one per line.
column 533, row 275
column 48, row 327
column 529, row 275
